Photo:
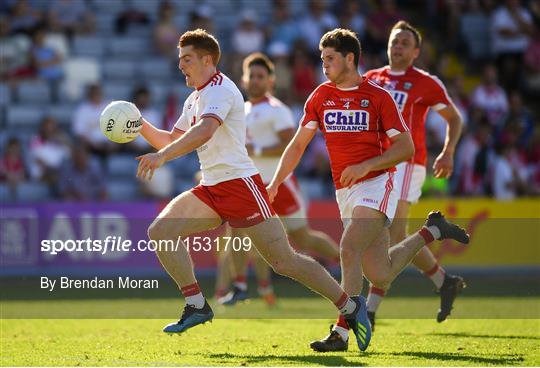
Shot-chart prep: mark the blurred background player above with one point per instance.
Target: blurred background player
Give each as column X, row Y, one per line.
column 270, row 127
column 415, row 92
column 357, row 118
column 213, row 123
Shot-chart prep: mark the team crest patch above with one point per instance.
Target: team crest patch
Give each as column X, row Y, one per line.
column 407, row 85
column 364, row 103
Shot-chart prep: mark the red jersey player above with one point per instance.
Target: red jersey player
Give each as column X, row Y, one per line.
column 415, row 92
column 213, row 123
column 366, row 137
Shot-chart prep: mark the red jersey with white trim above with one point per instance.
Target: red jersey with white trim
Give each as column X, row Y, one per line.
column 415, row 91
column 356, row 123
column 224, row 157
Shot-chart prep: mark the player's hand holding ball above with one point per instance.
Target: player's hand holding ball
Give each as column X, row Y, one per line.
column 121, row 121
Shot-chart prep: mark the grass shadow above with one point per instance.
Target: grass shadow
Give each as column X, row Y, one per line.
column 326, row 360
column 512, row 359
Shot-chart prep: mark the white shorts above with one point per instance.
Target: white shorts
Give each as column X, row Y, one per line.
column 373, row 193
column 409, row 179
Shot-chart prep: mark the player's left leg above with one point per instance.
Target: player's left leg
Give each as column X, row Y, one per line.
column 184, row 215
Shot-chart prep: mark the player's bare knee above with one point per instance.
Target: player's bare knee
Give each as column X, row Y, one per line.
column 163, row 228
column 157, row 230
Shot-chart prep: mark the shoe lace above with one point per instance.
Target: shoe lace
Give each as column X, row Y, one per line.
column 188, row 310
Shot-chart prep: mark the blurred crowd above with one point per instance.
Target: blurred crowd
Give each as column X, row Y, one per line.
column 62, row 61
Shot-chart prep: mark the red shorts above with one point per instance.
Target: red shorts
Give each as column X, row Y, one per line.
column 242, row 202
column 288, row 200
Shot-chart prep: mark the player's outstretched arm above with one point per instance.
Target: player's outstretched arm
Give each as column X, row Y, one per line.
column 444, row 164
column 158, row 138
column 290, row 158
column 195, row 137
column 401, row 149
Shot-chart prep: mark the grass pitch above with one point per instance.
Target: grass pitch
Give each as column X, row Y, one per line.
column 268, row 341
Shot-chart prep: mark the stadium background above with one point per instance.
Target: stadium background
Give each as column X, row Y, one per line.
column 63, row 61
column 51, row 52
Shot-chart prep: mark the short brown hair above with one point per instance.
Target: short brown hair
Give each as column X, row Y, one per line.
column 405, row 26
column 203, row 41
column 344, row 41
column 258, row 58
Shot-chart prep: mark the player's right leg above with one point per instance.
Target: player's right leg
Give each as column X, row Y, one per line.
column 362, row 228
column 184, row 215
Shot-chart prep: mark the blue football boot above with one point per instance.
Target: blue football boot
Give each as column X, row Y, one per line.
column 358, row 322
column 191, row 317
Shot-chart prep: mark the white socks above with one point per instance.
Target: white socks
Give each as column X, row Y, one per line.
column 434, row 230
column 196, row 300
column 348, row 308
column 343, row 332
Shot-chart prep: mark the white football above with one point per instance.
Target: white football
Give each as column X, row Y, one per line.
column 120, row 121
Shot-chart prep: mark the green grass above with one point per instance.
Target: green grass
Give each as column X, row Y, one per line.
column 269, row 341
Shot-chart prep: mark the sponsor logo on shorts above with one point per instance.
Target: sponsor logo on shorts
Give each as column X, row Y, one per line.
column 369, row 200
column 255, row 215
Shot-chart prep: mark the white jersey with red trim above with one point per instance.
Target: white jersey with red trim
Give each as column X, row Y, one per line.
column 224, row 157
column 264, row 120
